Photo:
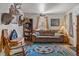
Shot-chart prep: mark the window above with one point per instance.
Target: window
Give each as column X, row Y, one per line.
column 42, row 23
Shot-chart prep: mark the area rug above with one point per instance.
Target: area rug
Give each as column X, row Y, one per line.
column 43, row 49
column 57, row 50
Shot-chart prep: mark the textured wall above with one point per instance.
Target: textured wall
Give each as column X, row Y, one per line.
column 34, row 16
column 75, row 12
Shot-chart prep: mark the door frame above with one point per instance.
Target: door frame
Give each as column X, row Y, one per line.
column 77, row 32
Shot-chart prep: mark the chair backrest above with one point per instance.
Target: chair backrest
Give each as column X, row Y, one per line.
column 5, row 40
column 13, row 35
column 1, row 45
column 4, row 37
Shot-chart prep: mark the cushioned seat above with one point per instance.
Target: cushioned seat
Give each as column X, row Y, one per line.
column 48, row 36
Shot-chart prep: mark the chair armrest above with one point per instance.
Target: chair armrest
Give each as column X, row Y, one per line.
column 20, row 43
column 18, row 46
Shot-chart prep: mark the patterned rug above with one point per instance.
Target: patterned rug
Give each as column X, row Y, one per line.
column 43, row 49
column 58, row 50
column 47, row 49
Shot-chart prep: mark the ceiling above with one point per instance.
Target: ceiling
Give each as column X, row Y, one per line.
column 44, row 8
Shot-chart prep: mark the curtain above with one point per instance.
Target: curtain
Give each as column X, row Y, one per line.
column 37, row 25
column 42, row 23
column 45, row 23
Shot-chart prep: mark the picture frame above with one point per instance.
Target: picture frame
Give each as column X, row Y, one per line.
column 55, row 22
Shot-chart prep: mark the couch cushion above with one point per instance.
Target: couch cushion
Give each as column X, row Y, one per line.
column 48, row 36
column 46, row 33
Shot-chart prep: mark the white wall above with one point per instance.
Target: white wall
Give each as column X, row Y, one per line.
column 49, row 17
column 10, row 27
column 4, row 7
column 75, row 12
column 52, row 17
column 19, row 30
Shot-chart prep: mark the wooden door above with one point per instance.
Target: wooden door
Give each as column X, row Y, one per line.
column 77, row 47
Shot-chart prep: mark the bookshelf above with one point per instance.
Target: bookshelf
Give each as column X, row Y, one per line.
column 27, row 29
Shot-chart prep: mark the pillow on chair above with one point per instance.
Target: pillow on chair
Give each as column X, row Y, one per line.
column 13, row 35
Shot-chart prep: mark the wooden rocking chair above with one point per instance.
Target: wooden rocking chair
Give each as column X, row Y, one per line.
column 12, row 45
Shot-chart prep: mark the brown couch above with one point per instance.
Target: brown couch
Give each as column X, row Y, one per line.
column 49, row 36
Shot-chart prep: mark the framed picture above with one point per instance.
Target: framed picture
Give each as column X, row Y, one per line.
column 55, row 22
column 70, row 25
